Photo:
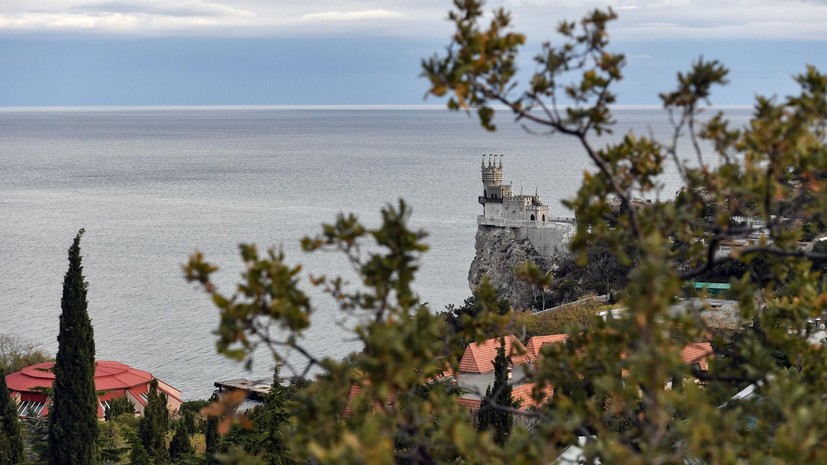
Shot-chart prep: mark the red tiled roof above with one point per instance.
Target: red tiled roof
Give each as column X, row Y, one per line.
column 536, row 343
column 470, row 404
column 697, row 352
column 109, row 376
column 355, row 390
column 524, row 394
column 479, row 357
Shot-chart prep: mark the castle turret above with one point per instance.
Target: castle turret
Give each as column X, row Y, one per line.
column 492, row 174
column 493, row 189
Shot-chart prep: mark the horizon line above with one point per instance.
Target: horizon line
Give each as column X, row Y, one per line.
column 343, row 107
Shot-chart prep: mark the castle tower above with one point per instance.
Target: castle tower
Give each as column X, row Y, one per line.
column 492, row 180
column 492, row 174
column 493, row 190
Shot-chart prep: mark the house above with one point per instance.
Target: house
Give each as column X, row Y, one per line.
column 479, row 356
column 697, row 354
column 30, row 387
column 535, row 344
column 476, row 371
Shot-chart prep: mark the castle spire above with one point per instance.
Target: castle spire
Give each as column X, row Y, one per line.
column 501, row 160
column 483, row 161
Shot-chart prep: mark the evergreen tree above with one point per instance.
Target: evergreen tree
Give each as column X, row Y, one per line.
column 180, row 445
column 110, row 446
column 211, row 437
column 271, row 443
column 73, row 423
column 188, row 417
column 11, row 439
column 491, row 413
column 138, row 455
column 153, row 427
column 118, row 407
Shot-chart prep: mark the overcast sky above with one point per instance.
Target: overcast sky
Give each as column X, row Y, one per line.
column 167, row 52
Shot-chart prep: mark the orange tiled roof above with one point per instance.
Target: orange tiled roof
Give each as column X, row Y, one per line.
column 355, row 390
column 536, row 343
column 470, row 404
column 479, row 357
column 523, row 393
column 697, row 352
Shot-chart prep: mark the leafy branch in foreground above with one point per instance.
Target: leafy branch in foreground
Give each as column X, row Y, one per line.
column 619, row 383
column 609, row 379
column 405, row 347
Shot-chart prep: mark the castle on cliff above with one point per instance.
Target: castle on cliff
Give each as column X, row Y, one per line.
column 526, row 215
column 500, row 203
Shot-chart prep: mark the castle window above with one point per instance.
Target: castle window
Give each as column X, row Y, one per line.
column 544, row 218
column 532, row 217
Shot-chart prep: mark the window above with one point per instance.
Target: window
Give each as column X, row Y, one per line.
column 30, row 409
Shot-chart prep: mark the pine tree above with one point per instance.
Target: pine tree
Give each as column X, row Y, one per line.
column 73, row 423
column 491, row 413
column 11, row 439
column 271, row 443
column 153, row 427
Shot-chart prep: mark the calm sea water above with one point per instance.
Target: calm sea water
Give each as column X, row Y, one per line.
column 152, row 185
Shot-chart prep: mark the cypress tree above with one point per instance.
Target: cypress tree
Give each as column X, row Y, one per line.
column 153, row 427
column 189, row 421
column 211, row 437
column 490, row 414
column 11, row 439
column 180, row 444
column 73, row 423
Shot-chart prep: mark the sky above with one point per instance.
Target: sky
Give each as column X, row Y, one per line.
column 367, row 52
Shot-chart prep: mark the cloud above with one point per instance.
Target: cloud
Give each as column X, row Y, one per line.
column 134, row 17
column 685, row 19
column 765, row 30
column 179, row 9
column 353, row 15
column 639, row 19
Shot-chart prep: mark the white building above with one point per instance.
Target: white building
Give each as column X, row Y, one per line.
column 498, row 199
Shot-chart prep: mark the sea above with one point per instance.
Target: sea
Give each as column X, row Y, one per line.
column 152, row 185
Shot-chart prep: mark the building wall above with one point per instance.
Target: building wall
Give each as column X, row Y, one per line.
column 550, row 239
column 494, row 210
column 139, row 407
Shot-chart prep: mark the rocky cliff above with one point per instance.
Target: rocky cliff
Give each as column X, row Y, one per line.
column 499, row 250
